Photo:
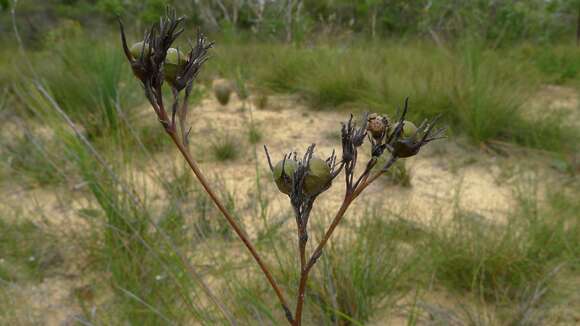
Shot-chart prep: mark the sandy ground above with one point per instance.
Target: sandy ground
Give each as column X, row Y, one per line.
column 447, row 177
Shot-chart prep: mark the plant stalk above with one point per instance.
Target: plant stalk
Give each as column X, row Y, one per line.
column 194, row 167
column 306, row 269
column 348, row 199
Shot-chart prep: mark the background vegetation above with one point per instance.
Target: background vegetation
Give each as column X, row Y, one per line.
column 72, row 126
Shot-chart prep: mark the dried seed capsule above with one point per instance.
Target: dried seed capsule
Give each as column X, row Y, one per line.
column 138, row 49
column 407, row 145
column 284, row 180
column 404, row 148
column 222, row 90
column 174, row 62
column 318, row 176
column 377, row 125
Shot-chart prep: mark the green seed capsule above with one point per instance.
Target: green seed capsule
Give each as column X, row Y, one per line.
column 174, row 62
column 409, row 130
column 285, row 184
column 139, row 48
column 318, row 176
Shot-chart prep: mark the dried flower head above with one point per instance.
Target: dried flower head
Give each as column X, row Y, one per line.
column 377, row 125
column 352, row 138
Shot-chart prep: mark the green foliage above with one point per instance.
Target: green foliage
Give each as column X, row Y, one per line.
column 363, row 272
column 4, row 5
column 36, row 160
column 110, row 7
column 225, row 148
column 27, row 251
column 349, row 285
column 398, row 174
column 86, row 80
column 559, row 63
column 254, row 134
column 499, row 261
column 145, row 12
column 499, row 23
column 136, row 247
column 145, row 271
column 153, row 10
column 481, row 93
column 153, row 138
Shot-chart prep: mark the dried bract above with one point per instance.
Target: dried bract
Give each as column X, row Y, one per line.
column 352, row 138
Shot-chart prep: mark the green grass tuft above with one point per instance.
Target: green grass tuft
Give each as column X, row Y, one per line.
column 481, row 93
column 225, row 148
column 27, row 252
column 254, row 134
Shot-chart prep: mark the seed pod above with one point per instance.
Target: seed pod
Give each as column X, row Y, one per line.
column 404, row 148
column 138, row 49
column 409, row 130
column 284, row 180
column 174, row 62
column 222, row 90
column 377, row 125
column 318, row 176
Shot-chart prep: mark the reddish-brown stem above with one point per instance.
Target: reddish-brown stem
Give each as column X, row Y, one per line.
column 348, row 199
column 303, row 277
column 306, row 269
column 300, row 299
column 193, row 165
column 302, row 245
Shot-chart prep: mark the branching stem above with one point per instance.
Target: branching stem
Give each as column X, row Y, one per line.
column 349, row 197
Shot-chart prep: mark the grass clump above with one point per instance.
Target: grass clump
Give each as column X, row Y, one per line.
column 558, row 64
column 352, row 285
column 153, row 138
column 137, row 249
column 500, row 261
column 149, row 281
column 254, row 134
column 225, row 148
column 88, row 80
column 27, row 252
column 34, row 159
column 486, row 260
column 188, row 199
column 482, row 93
